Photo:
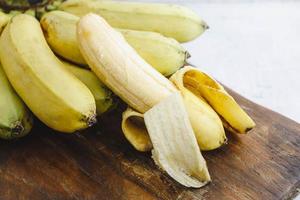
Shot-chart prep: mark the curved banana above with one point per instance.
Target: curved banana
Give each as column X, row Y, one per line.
column 103, row 96
column 173, row 21
column 234, row 117
column 4, row 19
column 52, row 93
column 136, row 82
column 15, row 118
column 165, row 54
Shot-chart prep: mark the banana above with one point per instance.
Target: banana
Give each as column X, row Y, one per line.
column 52, row 93
column 165, row 54
column 173, row 21
column 175, row 147
column 202, row 85
column 103, row 96
column 121, row 69
column 4, row 19
column 15, row 118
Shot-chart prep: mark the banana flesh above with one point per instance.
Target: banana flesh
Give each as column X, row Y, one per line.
column 175, row 147
column 103, row 96
column 120, row 68
column 234, row 117
column 173, row 21
column 15, row 118
column 52, row 93
column 165, row 54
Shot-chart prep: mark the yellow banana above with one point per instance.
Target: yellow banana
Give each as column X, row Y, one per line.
column 52, row 93
column 165, row 54
column 136, row 82
column 234, row 117
column 173, row 21
column 175, row 147
column 15, row 118
column 103, row 96
column 4, row 19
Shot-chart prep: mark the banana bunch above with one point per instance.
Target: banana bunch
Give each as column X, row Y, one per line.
column 170, row 20
column 175, row 118
column 165, row 54
column 207, row 105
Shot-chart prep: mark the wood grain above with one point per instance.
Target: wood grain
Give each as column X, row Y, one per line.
column 100, row 164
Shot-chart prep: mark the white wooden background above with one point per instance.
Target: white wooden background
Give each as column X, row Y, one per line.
column 253, row 47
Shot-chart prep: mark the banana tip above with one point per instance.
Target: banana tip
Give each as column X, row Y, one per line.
column 91, row 120
column 18, row 129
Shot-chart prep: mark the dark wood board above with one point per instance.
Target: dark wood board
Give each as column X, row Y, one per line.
column 100, row 164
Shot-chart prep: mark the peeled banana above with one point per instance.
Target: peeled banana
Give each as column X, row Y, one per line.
column 136, row 82
column 173, row 21
column 103, row 96
column 15, row 118
column 52, row 93
column 165, row 54
column 175, row 147
column 234, row 117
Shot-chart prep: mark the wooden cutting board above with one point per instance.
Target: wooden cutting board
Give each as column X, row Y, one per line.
column 100, row 164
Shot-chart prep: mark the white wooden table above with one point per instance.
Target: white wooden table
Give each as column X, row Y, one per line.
column 253, row 47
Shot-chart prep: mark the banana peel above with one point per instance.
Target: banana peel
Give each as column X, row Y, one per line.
column 235, row 119
column 134, row 129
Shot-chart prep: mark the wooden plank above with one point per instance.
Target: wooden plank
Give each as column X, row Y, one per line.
column 100, row 164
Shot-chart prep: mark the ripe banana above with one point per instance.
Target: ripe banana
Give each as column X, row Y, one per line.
column 165, row 54
column 52, row 93
column 175, row 147
column 234, row 117
column 15, row 118
column 103, row 96
column 136, row 82
column 4, row 19
column 173, row 21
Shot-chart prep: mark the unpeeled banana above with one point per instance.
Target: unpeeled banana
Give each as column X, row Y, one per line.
column 103, row 96
column 165, row 54
column 4, row 19
column 119, row 67
column 15, row 118
column 173, row 21
column 52, row 93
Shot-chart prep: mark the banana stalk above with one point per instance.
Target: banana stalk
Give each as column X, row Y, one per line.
column 165, row 54
column 202, row 85
column 175, row 147
column 15, row 118
column 173, row 21
column 103, row 96
column 121, row 69
column 52, row 93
